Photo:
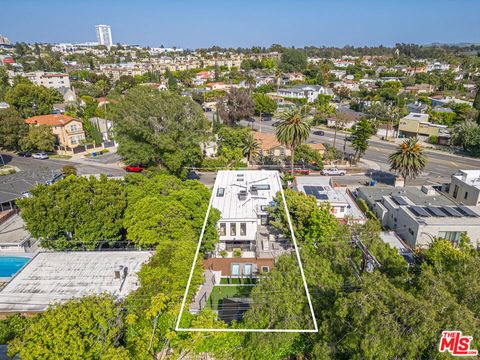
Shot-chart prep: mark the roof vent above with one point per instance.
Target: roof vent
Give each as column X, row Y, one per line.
column 242, row 195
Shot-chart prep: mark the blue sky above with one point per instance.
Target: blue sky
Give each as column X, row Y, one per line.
column 233, row 23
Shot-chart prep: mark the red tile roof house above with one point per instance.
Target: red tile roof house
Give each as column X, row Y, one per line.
column 68, row 130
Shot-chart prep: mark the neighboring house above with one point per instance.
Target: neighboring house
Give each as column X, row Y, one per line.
column 55, row 277
column 344, row 118
column 270, row 146
column 68, row 130
column 339, row 74
column 14, row 236
column 104, row 126
column 287, row 78
column 465, row 187
column 420, row 89
column 264, row 80
column 308, row 92
column 417, row 107
column 243, row 197
column 68, row 94
column 419, row 225
column 319, row 147
column 324, row 190
column 209, row 149
column 417, row 125
column 220, row 85
column 437, row 66
column 440, row 100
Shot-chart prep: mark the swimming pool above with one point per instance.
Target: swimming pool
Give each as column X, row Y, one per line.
column 10, row 265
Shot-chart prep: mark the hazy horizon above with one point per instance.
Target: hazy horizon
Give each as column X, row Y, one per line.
column 192, row 24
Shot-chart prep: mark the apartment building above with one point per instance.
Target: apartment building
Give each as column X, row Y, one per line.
column 48, row 79
column 104, row 35
column 68, row 130
column 417, row 125
column 308, row 92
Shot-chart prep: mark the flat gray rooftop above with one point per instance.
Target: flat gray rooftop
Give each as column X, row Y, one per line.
column 13, row 231
column 416, row 195
column 58, row 276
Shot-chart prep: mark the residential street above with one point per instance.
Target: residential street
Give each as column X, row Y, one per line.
column 439, row 168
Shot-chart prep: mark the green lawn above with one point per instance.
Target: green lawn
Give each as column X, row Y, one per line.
column 222, row 292
column 57, row 156
column 238, row 281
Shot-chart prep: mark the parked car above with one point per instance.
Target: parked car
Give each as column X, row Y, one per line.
column 275, row 124
column 298, row 171
column 349, row 137
column 333, row 172
column 24, row 153
column 134, row 168
column 40, row 156
column 319, row 132
column 192, row 175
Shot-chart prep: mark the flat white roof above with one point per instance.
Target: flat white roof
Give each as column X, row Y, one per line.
column 229, row 201
column 58, row 276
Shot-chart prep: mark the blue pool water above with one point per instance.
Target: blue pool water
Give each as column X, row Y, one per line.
column 10, row 265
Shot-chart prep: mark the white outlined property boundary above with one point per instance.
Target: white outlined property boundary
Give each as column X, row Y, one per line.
column 297, row 252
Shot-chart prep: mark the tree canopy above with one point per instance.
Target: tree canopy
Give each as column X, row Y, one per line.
column 12, row 129
column 154, row 127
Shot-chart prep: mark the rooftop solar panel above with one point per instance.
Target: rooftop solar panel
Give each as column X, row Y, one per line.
column 467, row 211
column 399, row 200
column 417, row 210
column 451, row 211
column 435, row 211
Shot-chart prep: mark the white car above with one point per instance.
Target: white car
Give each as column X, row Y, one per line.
column 333, row 172
column 41, row 156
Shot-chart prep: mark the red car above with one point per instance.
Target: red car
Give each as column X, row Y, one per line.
column 302, row 171
column 134, row 168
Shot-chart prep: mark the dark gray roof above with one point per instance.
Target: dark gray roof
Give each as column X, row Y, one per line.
column 416, row 195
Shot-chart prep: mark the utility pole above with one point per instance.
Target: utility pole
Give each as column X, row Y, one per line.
column 368, row 262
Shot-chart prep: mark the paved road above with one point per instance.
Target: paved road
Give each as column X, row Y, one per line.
column 50, row 166
column 439, row 168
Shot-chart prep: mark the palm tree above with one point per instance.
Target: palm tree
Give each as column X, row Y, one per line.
column 250, row 147
column 292, row 130
column 409, row 159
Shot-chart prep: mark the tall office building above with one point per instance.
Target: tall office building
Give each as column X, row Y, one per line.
column 104, row 35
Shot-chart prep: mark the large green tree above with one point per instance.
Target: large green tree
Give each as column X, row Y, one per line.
column 293, row 130
column 154, row 127
column 30, row 99
column 81, row 329
column 75, row 213
column 264, row 105
column 293, row 60
column 39, row 137
column 12, row 129
column 361, row 133
column 409, row 160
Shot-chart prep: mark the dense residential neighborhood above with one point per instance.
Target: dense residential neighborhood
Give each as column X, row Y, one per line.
column 277, row 202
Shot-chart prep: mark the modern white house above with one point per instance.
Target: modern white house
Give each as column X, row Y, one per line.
column 242, row 197
column 308, row 92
